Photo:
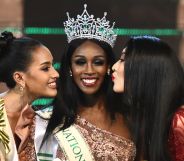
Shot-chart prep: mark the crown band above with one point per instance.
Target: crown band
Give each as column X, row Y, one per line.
column 85, row 26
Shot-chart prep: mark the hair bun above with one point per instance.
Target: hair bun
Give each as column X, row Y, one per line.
column 5, row 39
column 7, row 36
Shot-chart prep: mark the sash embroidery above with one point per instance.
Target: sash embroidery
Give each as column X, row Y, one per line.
column 4, row 138
column 74, row 145
column 45, row 157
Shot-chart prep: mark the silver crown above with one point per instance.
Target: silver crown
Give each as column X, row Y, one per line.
column 85, row 26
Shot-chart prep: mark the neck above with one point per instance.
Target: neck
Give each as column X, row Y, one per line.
column 90, row 100
column 95, row 113
column 14, row 102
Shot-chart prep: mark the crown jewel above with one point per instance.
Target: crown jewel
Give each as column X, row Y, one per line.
column 85, row 26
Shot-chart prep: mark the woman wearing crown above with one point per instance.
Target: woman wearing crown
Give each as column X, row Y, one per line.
column 85, row 122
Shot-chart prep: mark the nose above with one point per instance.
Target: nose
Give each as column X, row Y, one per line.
column 114, row 67
column 55, row 74
column 89, row 69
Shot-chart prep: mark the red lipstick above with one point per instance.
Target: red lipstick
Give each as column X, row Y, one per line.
column 112, row 77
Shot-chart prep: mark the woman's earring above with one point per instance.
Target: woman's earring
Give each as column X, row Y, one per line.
column 70, row 73
column 108, row 71
column 21, row 89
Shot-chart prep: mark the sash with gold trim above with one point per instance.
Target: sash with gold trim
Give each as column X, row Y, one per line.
column 8, row 149
column 74, row 145
column 4, row 138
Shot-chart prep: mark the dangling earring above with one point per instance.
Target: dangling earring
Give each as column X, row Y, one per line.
column 70, row 73
column 19, row 89
column 108, row 71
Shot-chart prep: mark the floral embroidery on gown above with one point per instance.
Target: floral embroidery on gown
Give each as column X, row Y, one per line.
column 103, row 144
column 176, row 138
column 29, row 153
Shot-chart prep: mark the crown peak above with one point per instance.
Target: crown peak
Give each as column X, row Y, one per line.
column 85, row 6
column 85, row 26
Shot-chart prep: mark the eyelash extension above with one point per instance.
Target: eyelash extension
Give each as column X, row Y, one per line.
column 99, row 62
column 122, row 60
column 95, row 62
column 45, row 68
column 80, row 62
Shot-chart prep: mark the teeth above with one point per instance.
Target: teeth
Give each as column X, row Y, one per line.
column 89, row 80
column 53, row 84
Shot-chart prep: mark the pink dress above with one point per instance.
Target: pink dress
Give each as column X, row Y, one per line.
column 104, row 145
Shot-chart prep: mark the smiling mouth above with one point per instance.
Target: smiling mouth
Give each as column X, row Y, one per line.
column 52, row 85
column 89, row 82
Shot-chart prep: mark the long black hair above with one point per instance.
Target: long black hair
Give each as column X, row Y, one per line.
column 66, row 103
column 154, row 91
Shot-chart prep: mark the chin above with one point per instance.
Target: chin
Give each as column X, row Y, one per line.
column 116, row 90
column 88, row 92
column 52, row 94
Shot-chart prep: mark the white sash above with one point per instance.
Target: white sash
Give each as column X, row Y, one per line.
column 49, row 148
column 74, row 145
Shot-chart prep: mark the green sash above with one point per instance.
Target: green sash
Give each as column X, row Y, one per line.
column 74, row 145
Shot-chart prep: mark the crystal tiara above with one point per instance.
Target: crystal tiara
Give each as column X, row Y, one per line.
column 85, row 26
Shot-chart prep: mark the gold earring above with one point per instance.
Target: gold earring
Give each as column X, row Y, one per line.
column 21, row 90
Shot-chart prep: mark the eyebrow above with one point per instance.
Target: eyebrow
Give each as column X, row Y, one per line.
column 96, row 56
column 46, row 63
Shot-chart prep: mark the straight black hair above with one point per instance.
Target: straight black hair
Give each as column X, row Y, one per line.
column 153, row 91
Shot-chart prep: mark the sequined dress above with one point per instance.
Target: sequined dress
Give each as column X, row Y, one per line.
column 104, row 145
column 176, row 138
